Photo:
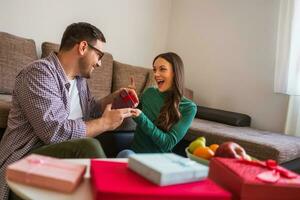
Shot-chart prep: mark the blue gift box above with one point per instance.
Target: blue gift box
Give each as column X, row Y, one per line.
column 167, row 168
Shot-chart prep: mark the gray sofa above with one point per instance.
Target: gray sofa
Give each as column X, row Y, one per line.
column 216, row 125
column 16, row 52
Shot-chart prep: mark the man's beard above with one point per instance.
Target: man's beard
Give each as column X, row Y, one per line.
column 84, row 68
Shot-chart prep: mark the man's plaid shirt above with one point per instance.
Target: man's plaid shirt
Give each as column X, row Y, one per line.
column 39, row 113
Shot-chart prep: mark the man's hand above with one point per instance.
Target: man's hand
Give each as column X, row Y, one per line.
column 114, row 118
column 110, row 120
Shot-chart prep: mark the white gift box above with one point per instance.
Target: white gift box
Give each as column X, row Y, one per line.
column 167, row 168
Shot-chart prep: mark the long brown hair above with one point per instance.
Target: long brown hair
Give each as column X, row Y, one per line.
column 169, row 113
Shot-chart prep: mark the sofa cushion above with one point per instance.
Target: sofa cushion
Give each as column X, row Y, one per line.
column 260, row 144
column 123, row 72
column 15, row 53
column 100, row 82
column 5, row 105
column 222, row 116
column 48, row 47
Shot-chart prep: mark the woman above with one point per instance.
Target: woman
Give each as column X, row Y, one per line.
column 164, row 114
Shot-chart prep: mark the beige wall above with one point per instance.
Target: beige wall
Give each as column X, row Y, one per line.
column 228, row 47
column 135, row 30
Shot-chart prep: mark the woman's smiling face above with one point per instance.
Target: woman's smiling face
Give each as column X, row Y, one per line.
column 163, row 74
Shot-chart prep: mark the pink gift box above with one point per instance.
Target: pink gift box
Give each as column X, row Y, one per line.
column 46, row 172
column 114, row 181
column 255, row 180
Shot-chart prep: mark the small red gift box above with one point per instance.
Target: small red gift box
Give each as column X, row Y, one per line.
column 255, row 180
column 113, row 180
column 46, row 172
column 124, row 100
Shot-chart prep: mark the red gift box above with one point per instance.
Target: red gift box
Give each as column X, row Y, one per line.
column 124, row 100
column 255, row 180
column 113, row 180
column 46, row 172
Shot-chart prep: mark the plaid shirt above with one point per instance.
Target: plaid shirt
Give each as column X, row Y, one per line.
column 39, row 113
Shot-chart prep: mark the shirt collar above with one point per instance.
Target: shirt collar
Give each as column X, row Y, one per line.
column 59, row 68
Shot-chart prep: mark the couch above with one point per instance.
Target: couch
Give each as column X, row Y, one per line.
column 216, row 125
column 16, row 52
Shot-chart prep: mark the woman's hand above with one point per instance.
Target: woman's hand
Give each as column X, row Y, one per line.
column 135, row 112
column 132, row 83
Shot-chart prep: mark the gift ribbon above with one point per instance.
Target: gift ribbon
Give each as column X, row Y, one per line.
column 39, row 161
column 183, row 162
column 127, row 98
column 132, row 100
column 274, row 173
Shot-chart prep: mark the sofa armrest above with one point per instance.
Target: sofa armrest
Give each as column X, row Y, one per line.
column 222, row 116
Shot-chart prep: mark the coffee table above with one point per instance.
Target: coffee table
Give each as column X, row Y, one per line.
column 84, row 191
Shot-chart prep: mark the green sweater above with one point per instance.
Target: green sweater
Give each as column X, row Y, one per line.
column 150, row 139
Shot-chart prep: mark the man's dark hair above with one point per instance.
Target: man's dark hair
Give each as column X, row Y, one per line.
column 78, row 32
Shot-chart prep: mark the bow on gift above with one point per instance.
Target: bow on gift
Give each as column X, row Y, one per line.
column 40, row 161
column 274, row 173
column 36, row 162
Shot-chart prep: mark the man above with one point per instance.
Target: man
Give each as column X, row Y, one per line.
column 52, row 110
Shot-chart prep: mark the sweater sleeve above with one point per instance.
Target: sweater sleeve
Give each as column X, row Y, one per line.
column 167, row 140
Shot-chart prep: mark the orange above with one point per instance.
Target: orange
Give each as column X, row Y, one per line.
column 204, row 152
column 214, row 147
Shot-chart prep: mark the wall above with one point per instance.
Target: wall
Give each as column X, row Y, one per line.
column 135, row 30
column 228, row 47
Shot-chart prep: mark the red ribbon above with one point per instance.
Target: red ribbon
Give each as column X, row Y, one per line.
column 128, row 97
column 274, row 173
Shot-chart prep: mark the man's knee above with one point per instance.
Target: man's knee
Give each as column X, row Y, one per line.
column 92, row 147
column 78, row 148
column 89, row 144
